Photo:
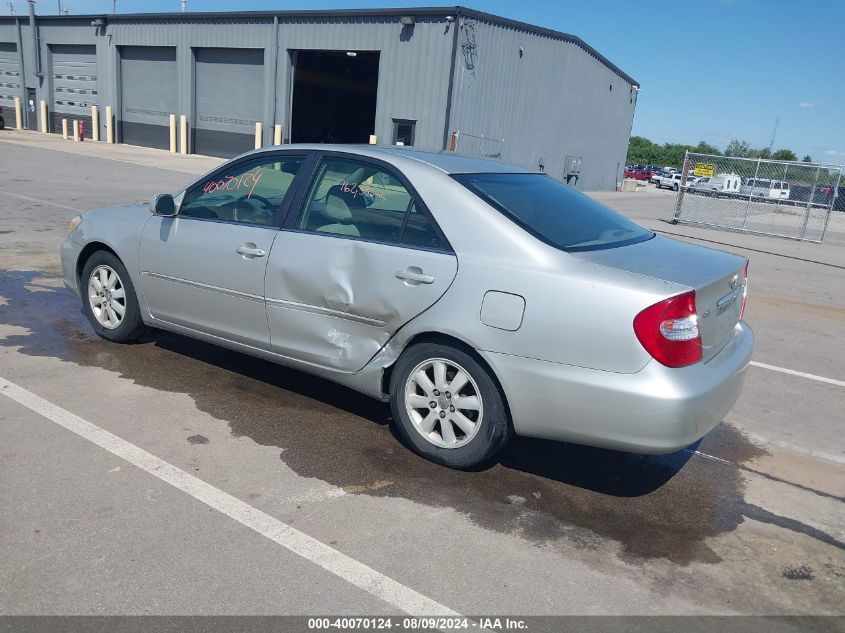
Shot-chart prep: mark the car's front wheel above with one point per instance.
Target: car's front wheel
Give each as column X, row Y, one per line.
column 108, row 298
column 447, row 406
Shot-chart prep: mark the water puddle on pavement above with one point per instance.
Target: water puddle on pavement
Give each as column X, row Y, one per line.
column 654, row 507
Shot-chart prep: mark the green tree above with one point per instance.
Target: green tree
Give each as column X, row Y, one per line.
column 705, row 148
column 645, row 151
column 642, row 150
column 807, row 159
column 738, row 148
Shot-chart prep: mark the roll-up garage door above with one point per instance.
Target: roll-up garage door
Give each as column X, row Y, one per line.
column 230, row 99
column 74, row 84
column 10, row 78
column 148, row 94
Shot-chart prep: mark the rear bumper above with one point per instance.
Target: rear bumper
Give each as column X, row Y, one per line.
column 656, row 410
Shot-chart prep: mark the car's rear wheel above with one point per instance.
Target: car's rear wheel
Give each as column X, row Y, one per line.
column 108, row 298
column 677, row 186
column 447, row 406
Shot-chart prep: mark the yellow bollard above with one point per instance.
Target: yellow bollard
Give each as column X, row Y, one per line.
column 259, row 135
column 183, row 133
column 44, row 126
column 173, row 133
column 18, row 114
column 277, row 134
column 76, row 129
column 95, row 123
column 109, row 125
column 64, row 129
column 373, row 139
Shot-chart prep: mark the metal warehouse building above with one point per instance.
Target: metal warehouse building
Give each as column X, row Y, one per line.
column 524, row 94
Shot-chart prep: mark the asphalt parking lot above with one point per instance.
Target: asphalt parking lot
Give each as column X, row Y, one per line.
column 173, row 477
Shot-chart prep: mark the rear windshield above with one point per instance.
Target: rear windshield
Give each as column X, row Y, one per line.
column 553, row 212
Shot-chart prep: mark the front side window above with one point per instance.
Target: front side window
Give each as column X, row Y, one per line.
column 251, row 192
column 359, row 199
column 553, row 212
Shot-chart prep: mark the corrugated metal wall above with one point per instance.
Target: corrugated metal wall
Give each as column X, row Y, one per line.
column 545, row 98
column 551, row 101
column 413, row 66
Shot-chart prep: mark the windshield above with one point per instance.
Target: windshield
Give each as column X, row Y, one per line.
column 553, row 212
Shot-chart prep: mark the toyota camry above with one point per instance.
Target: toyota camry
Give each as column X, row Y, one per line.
column 480, row 299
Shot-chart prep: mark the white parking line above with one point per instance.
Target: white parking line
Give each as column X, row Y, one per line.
column 792, row 372
column 52, row 204
column 309, row 548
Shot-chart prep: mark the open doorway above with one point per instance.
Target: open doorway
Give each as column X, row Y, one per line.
column 334, row 96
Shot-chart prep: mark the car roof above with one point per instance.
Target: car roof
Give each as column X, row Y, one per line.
column 445, row 161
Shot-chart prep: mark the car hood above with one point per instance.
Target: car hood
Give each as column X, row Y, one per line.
column 125, row 208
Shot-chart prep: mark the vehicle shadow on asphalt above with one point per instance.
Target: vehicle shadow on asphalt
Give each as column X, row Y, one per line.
column 652, row 506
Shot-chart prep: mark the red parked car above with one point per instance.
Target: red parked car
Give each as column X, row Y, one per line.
column 637, row 174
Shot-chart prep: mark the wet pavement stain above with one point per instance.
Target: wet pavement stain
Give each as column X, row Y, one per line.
column 802, row 572
column 653, row 506
column 197, row 439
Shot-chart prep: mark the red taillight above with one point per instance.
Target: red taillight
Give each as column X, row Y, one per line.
column 744, row 292
column 669, row 331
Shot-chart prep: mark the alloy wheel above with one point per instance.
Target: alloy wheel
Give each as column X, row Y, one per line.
column 107, row 297
column 444, row 403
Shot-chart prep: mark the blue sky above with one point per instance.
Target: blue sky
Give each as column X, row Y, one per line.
column 710, row 70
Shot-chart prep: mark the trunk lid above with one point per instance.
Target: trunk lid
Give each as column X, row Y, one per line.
column 716, row 276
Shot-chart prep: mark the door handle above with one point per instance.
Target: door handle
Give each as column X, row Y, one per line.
column 414, row 276
column 250, row 251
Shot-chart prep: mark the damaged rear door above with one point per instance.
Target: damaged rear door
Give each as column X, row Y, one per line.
column 361, row 258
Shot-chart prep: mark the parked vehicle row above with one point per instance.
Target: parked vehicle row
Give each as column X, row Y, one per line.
column 729, row 184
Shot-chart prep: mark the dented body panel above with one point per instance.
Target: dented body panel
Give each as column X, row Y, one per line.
column 335, row 302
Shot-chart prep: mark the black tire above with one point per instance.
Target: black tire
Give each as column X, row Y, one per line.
column 2, row 124
column 677, row 186
column 131, row 327
column 494, row 431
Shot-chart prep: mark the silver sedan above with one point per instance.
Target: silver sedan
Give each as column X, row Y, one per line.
column 482, row 300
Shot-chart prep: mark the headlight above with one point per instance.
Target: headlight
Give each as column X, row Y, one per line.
column 75, row 222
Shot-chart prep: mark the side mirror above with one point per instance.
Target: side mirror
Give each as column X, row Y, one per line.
column 163, row 204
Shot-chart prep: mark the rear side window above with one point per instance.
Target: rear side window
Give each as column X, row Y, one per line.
column 553, row 212
column 362, row 200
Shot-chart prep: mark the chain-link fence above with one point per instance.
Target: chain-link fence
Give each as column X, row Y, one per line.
column 782, row 198
column 474, row 145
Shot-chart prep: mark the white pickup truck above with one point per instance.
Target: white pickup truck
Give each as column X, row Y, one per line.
column 673, row 181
